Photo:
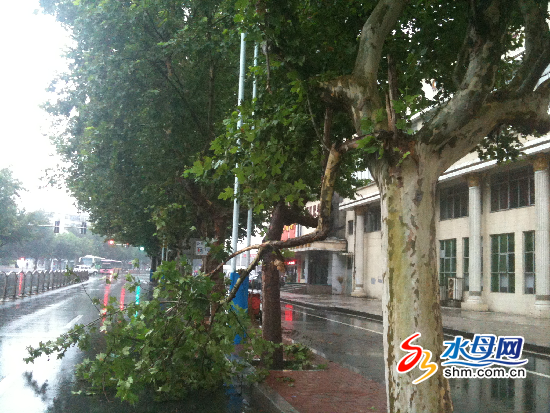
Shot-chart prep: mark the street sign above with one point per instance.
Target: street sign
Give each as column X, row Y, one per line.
column 201, row 248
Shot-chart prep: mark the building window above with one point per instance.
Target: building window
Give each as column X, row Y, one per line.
column 453, row 202
column 502, row 263
column 447, row 260
column 529, row 261
column 513, row 189
column 373, row 221
column 350, row 227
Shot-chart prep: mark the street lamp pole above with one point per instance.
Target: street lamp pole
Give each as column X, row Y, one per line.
column 249, row 220
column 235, row 234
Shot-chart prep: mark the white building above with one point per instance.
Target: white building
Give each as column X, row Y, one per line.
column 493, row 230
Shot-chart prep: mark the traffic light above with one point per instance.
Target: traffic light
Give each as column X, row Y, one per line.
column 111, row 242
column 56, row 227
column 83, row 228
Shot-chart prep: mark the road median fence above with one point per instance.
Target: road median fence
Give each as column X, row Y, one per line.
column 15, row 285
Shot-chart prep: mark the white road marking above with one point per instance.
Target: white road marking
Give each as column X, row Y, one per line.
column 72, row 322
column 340, row 322
column 23, row 320
column 5, row 383
column 536, row 373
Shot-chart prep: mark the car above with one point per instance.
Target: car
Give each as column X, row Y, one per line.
column 86, row 268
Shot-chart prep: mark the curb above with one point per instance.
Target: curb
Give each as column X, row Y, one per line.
column 275, row 399
column 545, row 351
column 271, row 400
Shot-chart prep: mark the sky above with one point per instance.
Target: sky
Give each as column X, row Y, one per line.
column 31, row 48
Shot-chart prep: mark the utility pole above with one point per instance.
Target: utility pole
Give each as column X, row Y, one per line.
column 241, row 299
column 249, row 220
column 235, row 234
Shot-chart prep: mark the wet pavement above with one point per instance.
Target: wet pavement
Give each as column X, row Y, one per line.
column 342, row 329
column 535, row 330
column 349, row 331
column 47, row 385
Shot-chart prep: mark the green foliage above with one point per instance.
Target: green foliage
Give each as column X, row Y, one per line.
column 277, row 153
column 16, row 226
column 298, row 356
column 165, row 344
column 146, row 92
column 70, row 245
column 502, row 144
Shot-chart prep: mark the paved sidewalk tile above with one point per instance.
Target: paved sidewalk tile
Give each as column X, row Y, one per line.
column 333, row 390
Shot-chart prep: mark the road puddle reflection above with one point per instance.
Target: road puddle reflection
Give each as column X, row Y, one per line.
column 289, row 312
column 122, row 297
column 531, row 394
column 105, row 302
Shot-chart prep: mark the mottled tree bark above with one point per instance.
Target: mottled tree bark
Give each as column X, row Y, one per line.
column 411, row 287
column 409, row 168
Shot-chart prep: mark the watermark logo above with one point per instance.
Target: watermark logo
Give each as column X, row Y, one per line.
column 485, row 350
column 416, row 355
column 483, row 357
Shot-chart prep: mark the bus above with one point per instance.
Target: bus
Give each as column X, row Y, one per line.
column 110, row 267
column 89, row 263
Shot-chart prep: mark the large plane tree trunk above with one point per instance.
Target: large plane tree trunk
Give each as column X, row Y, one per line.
column 406, row 165
column 411, row 288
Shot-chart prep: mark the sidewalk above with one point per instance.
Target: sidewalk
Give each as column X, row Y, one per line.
column 339, row 390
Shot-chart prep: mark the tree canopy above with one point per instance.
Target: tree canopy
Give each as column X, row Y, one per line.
column 339, row 85
column 16, row 226
column 147, row 90
column 371, row 61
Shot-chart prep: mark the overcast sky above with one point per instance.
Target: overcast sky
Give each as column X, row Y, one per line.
column 31, row 48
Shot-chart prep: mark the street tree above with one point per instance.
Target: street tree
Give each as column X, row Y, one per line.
column 278, row 155
column 40, row 247
column 16, row 225
column 149, row 86
column 486, row 60
column 367, row 67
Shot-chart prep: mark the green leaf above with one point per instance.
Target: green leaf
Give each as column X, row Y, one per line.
column 401, row 124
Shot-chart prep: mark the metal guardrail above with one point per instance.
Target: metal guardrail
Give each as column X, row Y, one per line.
column 22, row 284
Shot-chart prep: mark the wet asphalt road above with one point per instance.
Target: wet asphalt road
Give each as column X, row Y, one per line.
column 47, row 385
column 356, row 343
column 352, row 341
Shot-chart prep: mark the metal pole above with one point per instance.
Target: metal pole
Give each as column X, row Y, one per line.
column 249, row 220
column 241, row 299
column 235, row 233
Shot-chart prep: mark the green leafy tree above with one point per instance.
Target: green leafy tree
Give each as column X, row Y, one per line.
column 369, row 62
column 278, row 155
column 45, row 245
column 16, row 225
column 40, row 247
column 165, row 344
column 360, row 76
column 147, row 91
